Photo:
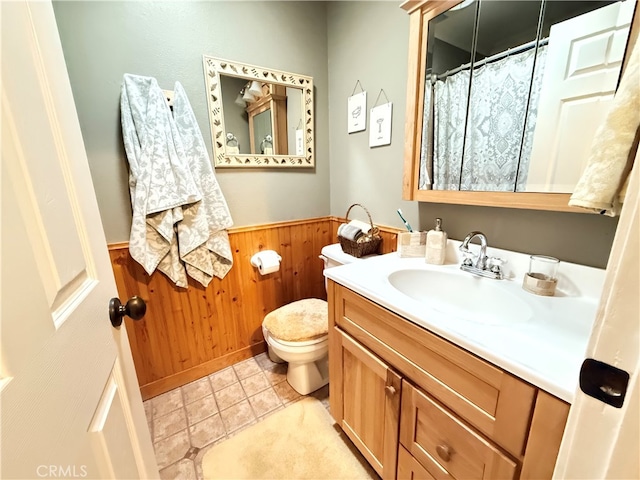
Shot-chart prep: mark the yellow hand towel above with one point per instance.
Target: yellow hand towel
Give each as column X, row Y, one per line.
column 603, row 183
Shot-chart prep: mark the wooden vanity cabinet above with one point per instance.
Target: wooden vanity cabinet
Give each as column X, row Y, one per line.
column 418, row 406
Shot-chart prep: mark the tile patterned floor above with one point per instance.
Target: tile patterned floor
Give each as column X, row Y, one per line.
column 185, row 421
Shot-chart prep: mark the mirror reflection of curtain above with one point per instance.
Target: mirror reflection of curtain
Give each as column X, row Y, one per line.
column 426, row 170
column 497, row 113
column 532, row 118
column 450, row 109
column 498, row 110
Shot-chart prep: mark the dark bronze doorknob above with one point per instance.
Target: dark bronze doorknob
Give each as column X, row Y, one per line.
column 134, row 308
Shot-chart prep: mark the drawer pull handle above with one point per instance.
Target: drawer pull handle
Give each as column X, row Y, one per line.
column 444, row 452
column 391, row 390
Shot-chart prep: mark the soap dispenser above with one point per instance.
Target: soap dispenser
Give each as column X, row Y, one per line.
column 436, row 244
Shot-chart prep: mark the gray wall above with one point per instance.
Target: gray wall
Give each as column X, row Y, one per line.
column 166, row 40
column 572, row 237
column 368, row 41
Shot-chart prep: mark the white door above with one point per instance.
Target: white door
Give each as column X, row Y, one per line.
column 70, row 402
column 583, row 64
column 602, row 441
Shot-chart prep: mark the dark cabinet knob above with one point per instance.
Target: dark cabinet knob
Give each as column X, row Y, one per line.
column 134, row 308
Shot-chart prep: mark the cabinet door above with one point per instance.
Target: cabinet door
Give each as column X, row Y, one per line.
column 444, row 445
column 370, row 404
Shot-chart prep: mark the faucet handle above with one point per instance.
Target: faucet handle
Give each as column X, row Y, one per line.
column 496, row 261
column 468, row 258
column 494, row 264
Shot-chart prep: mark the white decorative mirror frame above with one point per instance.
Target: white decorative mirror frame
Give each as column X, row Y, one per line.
column 213, row 67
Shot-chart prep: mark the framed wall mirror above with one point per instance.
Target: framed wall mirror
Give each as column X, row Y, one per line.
column 506, row 94
column 259, row 117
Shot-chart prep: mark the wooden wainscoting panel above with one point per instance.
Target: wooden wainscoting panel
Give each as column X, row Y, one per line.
column 188, row 333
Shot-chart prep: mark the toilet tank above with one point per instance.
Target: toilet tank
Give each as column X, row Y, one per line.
column 333, row 256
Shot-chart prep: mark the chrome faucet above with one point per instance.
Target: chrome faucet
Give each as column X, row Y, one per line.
column 483, row 265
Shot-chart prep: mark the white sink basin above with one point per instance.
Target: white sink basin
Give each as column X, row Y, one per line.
column 464, row 296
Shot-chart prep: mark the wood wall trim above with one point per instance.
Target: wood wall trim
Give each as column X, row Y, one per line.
column 117, row 245
column 286, row 223
column 382, row 228
column 246, row 228
column 194, row 373
column 557, row 202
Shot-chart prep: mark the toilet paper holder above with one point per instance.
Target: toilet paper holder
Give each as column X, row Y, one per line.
column 266, row 261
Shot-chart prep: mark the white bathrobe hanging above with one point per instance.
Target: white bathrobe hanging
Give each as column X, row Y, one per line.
column 202, row 235
column 160, row 181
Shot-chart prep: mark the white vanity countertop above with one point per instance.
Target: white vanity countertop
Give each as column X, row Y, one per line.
column 546, row 347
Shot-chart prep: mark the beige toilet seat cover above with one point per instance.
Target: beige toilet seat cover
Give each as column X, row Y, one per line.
column 299, row 321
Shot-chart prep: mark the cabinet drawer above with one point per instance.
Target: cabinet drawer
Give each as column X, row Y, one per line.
column 495, row 402
column 409, row 468
column 444, row 445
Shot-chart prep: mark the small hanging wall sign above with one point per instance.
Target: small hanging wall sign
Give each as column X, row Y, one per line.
column 380, row 118
column 357, row 110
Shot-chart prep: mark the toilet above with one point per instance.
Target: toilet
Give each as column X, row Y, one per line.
column 297, row 333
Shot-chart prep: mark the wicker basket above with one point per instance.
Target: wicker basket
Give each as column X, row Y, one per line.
column 365, row 245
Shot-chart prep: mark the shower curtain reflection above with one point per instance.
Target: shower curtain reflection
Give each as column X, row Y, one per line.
column 501, row 119
column 494, row 150
column 450, row 111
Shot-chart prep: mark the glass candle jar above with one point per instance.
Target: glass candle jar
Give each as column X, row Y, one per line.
column 542, row 277
column 543, row 267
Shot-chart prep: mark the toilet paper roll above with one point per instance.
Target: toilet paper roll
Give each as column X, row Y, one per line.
column 266, row 261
